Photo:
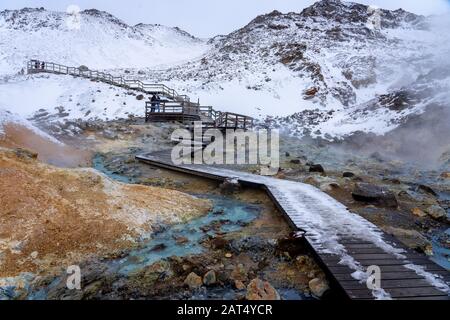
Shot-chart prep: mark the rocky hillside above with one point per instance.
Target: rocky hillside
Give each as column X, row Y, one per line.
column 332, row 70
column 326, row 64
column 92, row 37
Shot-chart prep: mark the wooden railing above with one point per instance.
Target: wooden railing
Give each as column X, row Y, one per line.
column 180, row 105
column 171, row 107
column 36, row 66
column 234, row 121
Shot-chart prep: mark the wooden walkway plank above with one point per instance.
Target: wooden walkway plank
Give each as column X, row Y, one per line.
column 399, row 281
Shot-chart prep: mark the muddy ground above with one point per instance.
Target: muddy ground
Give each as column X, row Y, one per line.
column 259, row 259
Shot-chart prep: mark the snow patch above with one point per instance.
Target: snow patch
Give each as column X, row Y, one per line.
column 6, row 117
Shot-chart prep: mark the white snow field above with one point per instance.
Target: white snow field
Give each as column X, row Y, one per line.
column 81, row 98
column 101, row 41
column 277, row 67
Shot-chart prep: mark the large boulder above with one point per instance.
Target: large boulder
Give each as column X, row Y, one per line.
column 193, row 281
column 366, row 192
column 318, row 287
column 436, row 212
column 261, row 290
column 230, row 185
column 209, row 278
column 316, row 168
column 411, row 238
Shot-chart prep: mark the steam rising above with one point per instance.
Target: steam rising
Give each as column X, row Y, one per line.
column 425, row 137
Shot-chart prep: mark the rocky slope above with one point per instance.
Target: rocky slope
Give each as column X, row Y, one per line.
column 92, row 37
column 326, row 66
column 332, row 70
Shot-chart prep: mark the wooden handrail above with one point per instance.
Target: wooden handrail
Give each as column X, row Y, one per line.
column 181, row 103
column 35, row 66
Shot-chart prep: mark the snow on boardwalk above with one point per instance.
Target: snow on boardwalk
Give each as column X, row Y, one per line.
column 344, row 243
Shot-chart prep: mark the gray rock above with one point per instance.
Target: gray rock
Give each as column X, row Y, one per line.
column 348, row 174
column 209, row 278
column 193, row 281
column 366, row 192
column 436, row 212
column 316, row 168
column 318, row 287
column 108, row 134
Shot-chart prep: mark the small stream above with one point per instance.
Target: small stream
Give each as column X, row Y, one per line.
column 227, row 215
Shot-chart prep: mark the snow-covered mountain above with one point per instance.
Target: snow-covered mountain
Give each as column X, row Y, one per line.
column 326, row 65
column 333, row 69
column 92, row 37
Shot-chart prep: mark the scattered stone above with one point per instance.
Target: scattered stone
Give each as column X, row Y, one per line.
column 83, row 68
column 209, row 278
column 25, row 153
column 108, row 134
column 366, row 192
column 34, row 254
column 348, row 174
column 377, row 156
column 139, row 97
column 445, row 175
column 181, row 240
column 159, row 247
column 418, row 213
column 239, row 285
column 261, row 290
column 295, row 161
column 436, row 212
column 228, row 255
column 328, row 187
column 427, row 189
column 287, row 154
column 219, row 243
column 230, row 185
column 239, row 273
column 316, row 168
column 156, row 271
column 411, row 238
column 311, row 92
column 318, row 287
column 193, row 281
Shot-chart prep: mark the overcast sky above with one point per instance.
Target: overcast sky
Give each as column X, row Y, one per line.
column 206, row 18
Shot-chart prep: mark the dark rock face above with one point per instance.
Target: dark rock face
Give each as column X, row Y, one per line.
column 366, row 192
column 316, row 168
column 427, row 189
column 348, row 174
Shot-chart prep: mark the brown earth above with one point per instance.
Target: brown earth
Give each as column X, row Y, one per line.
column 18, row 136
column 51, row 217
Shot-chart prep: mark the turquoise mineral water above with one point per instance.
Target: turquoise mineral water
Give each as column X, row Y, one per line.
column 227, row 215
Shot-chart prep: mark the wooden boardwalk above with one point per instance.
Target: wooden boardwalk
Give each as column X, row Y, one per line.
column 175, row 107
column 341, row 241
